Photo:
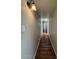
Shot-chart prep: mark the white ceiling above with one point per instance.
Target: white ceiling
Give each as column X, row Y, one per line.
column 46, row 7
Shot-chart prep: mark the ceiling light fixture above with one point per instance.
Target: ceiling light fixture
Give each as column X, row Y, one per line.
column 28, row 4
column 31, row 4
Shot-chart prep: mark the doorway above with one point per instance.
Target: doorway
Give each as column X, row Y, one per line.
column 44, row 26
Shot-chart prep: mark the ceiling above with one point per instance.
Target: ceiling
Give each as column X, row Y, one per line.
column 46, row 7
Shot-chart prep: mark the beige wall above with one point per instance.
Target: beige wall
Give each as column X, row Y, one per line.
column 53, row 31
column 30, row 32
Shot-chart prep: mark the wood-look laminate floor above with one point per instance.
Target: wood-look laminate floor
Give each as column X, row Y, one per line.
column 45, row 50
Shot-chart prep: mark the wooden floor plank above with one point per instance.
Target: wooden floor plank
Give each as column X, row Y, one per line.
column 45, row 50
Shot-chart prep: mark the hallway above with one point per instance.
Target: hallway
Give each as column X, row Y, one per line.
column 45, row 50
column 38, row 18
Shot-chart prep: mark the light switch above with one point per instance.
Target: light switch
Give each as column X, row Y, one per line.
column 23, row 28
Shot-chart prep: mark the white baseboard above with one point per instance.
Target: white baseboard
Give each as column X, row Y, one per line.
column 36, row 48
column 52, row 45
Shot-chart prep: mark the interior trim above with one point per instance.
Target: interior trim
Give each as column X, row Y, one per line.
column 36, row 48
column 52, row 45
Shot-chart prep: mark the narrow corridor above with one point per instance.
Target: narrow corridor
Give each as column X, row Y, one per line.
column 38, row 18
column 45, row 50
